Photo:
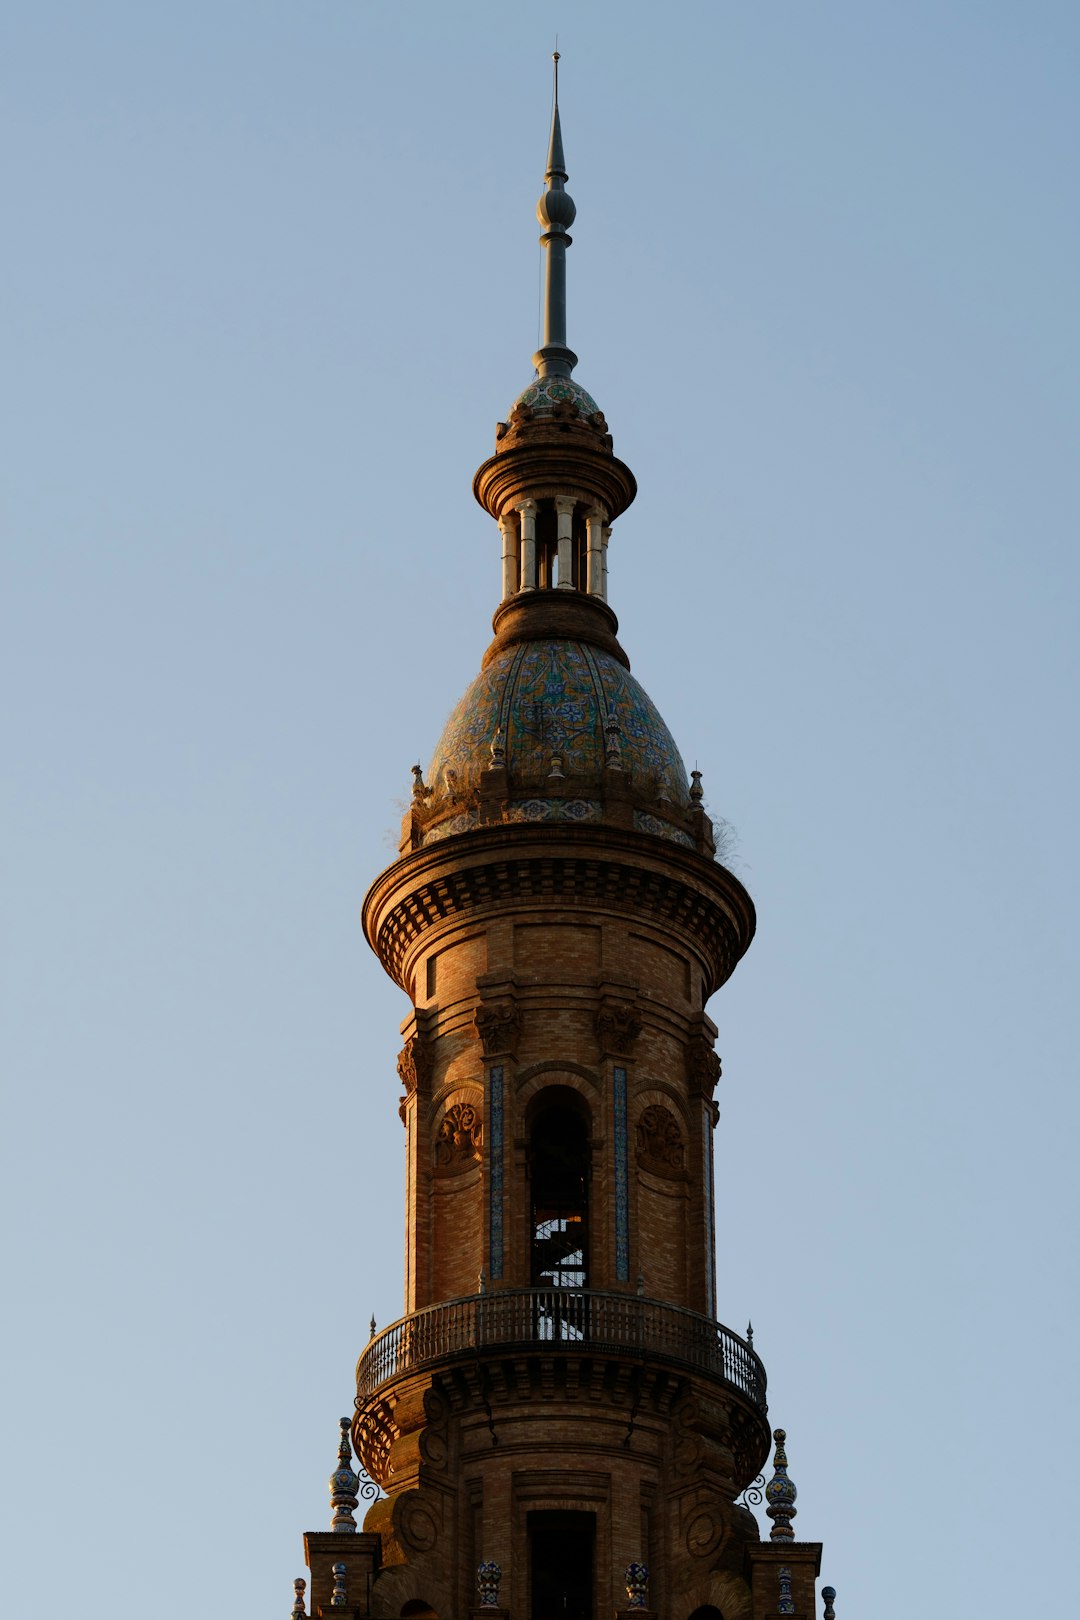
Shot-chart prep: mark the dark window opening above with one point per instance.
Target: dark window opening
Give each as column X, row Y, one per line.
column 559, row 1175
column 706, row 1612
column 547, row 546
column 561, row 1565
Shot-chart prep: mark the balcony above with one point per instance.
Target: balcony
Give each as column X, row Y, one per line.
column 577, row 1321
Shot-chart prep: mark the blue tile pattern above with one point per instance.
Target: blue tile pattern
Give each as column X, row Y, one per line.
column 622, row 1214
column 544, row 393
column 552, row 699
column 644, row 822
column 495, row 1171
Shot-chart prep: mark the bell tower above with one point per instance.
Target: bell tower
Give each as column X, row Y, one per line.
column 562, row 1428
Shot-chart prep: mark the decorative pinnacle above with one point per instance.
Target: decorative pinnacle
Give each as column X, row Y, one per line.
column 828, row 1594
column 780, row 1494
column 299, row 1588
column 786, row 1604
column 340, row 1598
column 556, row 213
column 344, row 1485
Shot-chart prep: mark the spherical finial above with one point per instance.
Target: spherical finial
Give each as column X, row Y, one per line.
column 299, row 1588
column 780, row 1494
column 828, row 1595
column 344, row 1484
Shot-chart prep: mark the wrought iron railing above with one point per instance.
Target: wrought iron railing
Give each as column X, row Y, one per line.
column 569, row 1318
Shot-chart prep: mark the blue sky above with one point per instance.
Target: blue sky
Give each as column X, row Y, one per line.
column 271, row 280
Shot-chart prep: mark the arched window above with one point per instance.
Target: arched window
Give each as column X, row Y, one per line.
column 706, row 1612
column 417, row 1609
column 559, row 1181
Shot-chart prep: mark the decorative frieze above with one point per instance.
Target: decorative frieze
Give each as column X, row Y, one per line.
column 702, row 1066
column 498, row 1025
column 617, row 1027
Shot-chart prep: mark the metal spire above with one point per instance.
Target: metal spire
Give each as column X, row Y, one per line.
column 556, row 213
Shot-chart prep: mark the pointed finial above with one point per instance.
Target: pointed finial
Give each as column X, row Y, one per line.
column 556, row 213
column 750, row 1334
column 341, row 1596
column 780, row 1494
column 371, row 1328
column 828, row 1594
column 696, row 791
column 498, row 749
column 344, row 1484
column 786, row 1604
column 299, row 1588
column 419, row 791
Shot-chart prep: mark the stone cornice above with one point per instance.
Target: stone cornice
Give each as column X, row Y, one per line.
column 529, row 867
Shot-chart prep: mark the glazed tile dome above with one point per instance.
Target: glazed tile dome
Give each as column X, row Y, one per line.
column 553, row 699
column 544, row 393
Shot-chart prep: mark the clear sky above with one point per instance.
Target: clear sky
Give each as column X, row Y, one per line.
column 271, row 279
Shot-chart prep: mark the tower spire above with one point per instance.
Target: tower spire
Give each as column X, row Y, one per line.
column 556, row 213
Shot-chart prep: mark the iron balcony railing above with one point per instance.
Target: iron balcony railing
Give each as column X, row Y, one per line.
column 567, row 1318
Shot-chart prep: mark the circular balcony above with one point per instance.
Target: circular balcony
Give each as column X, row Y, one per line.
column 570, row 1320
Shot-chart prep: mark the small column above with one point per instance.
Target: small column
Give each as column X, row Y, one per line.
column 595, row 519
column 527, row 510
column 511, row 554
column 564, row 506
column 605, row 537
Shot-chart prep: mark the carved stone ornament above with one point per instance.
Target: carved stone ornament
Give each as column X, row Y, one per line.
column 498, row 1025
column 617, row 1027
column 414, row 1063
column 459, row 1139
column 660, row 1145
column 703, row 1065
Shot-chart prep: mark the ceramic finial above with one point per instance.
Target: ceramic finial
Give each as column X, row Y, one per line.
column 637, row 1585
column 786, row 1605
column 828, row 1597
column 344, row 1484
column 780, row 1494
column 341, row 1596
column 299, row 1587
column 488, row 1577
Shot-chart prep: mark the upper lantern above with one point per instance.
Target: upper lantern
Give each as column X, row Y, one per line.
column 555, row 728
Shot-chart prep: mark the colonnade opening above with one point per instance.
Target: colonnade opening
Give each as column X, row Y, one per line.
column 561, row 1555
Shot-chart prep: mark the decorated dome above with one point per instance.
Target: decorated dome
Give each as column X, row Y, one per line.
column 563, row 701
column 544, row 393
